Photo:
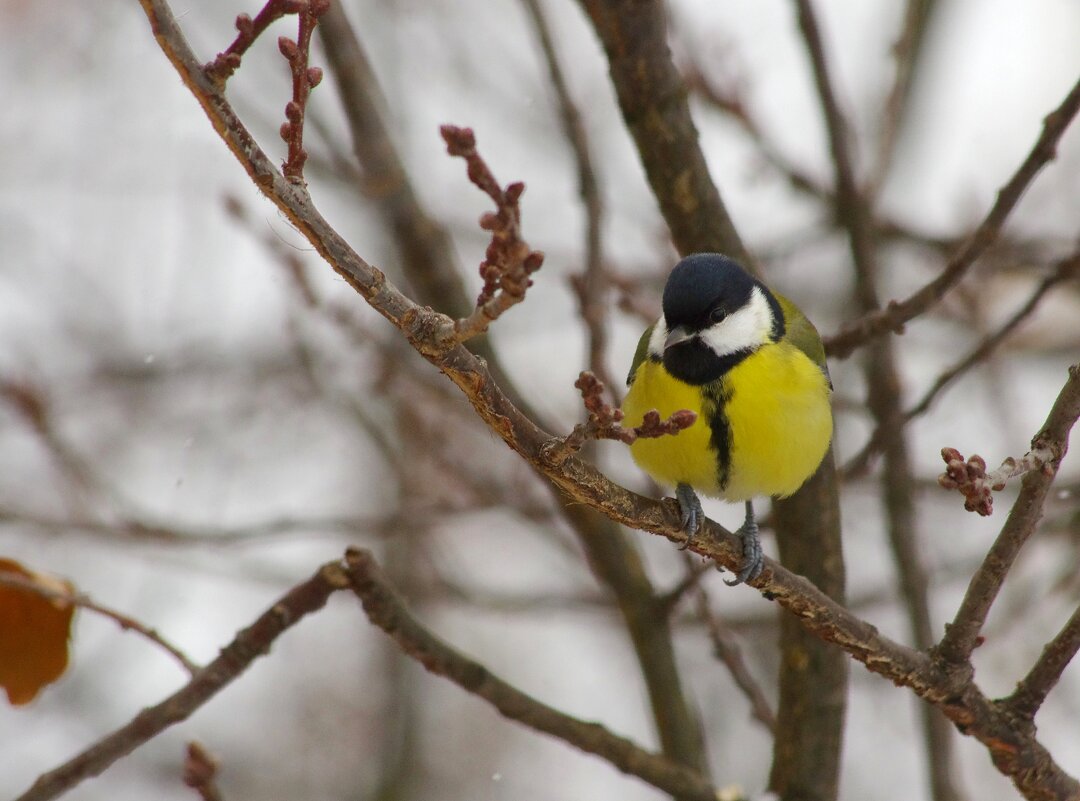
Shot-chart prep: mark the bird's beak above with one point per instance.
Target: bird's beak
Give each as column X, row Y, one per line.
column 676, row 336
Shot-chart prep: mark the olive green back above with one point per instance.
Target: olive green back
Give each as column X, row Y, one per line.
column 640, row 354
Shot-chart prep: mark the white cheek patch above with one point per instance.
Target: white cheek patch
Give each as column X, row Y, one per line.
column 747, row 328
column 656, row 341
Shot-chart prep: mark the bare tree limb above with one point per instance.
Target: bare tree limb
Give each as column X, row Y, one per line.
column 1064, row 270
column 653, row 102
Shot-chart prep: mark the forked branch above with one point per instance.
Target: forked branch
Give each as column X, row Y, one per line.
column 296, row 52
column 509, row 261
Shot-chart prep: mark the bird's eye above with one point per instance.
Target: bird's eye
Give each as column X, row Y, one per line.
column 717, row 314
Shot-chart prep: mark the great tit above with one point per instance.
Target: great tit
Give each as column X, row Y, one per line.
column 752, row 367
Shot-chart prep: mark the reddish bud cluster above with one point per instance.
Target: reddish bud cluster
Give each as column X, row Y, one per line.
column 508, row 261
column 295, row 52
column 975, row 483
column 604, row 420
column 287, row 47
column 969, row 477
column 652, row 426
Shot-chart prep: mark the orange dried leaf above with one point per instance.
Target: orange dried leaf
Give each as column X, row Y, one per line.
column 34, row 631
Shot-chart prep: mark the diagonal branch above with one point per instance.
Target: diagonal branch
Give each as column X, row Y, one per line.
column 896, row 313
column 125, row 622
column 1065, row 270
column 386, row 610
column 726, row 648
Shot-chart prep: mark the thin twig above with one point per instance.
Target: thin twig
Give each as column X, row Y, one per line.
column 248, row 645
column 248, row 30
column 726, row 648
column 1066, row 269
column 126, row 622
column 304, row 79
column 509, row 261
column 605, row 422
column 386, row 610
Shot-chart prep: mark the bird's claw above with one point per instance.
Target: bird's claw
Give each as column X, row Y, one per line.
column 690, row 511
column 753, row 557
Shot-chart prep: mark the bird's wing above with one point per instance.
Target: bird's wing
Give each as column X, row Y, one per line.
column 640, row 354
column 802, row 334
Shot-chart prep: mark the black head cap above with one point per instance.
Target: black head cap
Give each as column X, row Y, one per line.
column 701, row 282
column 701, row 292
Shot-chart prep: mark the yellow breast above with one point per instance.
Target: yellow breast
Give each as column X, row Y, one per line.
column 762, row 429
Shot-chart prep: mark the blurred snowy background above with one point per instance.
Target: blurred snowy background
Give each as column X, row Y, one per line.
column 212, row 439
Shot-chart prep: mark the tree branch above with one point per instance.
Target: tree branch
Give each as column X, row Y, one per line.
column 125, row 622
column 1064, row 270
column 726, row 648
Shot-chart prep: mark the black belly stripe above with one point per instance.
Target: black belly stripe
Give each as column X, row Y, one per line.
column 717, row 395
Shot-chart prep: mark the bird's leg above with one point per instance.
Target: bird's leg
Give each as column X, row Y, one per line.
column 753, row 559
column 691, row 511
